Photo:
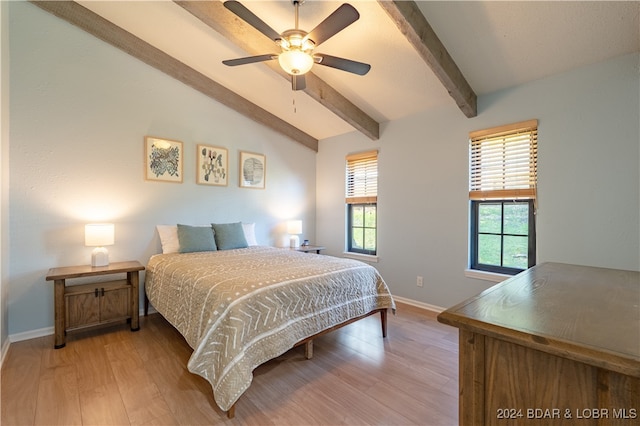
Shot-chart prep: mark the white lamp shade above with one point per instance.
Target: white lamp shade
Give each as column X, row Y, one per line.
column 294, row 227
column 99, row 234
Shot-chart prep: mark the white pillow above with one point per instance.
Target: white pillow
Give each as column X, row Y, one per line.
column 250, row 233
column 169, row 238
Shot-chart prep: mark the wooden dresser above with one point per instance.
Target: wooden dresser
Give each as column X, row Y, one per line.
column 556, row 344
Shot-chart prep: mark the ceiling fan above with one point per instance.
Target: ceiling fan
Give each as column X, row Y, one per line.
column 296, row 55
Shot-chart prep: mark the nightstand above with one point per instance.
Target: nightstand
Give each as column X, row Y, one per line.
column 87, row 305
column 308, row 249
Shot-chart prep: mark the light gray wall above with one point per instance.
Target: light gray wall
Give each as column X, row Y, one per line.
column 79, row 112
column 4, row 173
column 589, row 182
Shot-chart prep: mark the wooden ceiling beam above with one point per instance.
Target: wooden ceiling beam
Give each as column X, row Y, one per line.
column 412, row 23
column 216, row 16
column 106, row 31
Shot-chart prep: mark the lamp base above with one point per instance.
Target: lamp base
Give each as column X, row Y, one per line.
column 294, row 241
column 99, row 257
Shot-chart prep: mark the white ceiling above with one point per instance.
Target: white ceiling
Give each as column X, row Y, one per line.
column 495, row 45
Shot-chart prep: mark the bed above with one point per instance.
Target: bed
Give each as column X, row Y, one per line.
column 239, row 308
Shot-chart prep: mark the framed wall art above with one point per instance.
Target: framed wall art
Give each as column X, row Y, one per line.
column 212, row 166
column 163, row 159
column 253, row 170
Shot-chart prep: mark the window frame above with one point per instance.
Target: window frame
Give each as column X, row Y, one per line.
column 473, row 246
column 350, row 227
column 361, row 189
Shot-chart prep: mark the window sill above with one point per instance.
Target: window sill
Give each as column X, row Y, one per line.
column 362, row 257
column 486, row 276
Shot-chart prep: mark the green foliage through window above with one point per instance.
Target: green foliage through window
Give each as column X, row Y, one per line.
column 362, row 228
column 503, row 236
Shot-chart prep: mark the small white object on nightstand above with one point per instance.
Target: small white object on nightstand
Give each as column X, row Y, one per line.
column 99, row 235
column 294, row 228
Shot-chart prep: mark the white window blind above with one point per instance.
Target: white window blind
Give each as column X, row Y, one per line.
column 504, row 162
column 362, row 178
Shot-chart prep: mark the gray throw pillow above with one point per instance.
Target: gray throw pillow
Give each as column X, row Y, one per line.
column 229, row 236
column 196, row 238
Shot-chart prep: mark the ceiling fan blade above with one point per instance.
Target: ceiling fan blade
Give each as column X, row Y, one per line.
column 340, row 19
column 348, row 65
column 298, row 82
column 251, row 19
column 249, row 60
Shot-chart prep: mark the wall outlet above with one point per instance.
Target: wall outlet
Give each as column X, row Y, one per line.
column 419, row 281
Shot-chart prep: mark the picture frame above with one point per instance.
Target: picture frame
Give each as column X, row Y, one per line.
column 212, row 165
column 163, row 159
column 253, row 170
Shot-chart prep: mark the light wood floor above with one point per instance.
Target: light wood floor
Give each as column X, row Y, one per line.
column 115, row 377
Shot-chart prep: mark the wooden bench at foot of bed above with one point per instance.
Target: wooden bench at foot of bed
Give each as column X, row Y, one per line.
column 308, row 342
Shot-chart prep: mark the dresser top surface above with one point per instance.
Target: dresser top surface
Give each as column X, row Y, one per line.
column 587, row 308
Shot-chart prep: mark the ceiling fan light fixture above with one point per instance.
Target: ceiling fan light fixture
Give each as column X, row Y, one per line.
column 295, row 62
column 297, row 46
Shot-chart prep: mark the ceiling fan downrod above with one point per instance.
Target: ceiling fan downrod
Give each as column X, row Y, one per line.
column 296, row 5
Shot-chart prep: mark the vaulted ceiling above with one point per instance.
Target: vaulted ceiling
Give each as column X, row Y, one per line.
column 423, row 54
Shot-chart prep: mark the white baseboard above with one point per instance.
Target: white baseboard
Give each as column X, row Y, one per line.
column 4, row 351
column 421, row 305
column 32, row 334
column 47, row 331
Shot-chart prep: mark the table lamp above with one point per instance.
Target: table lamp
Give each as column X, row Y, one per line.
column 99, row 235
column 294, row 228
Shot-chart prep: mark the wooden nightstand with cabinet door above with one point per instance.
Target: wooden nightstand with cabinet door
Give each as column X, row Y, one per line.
column 87, row 305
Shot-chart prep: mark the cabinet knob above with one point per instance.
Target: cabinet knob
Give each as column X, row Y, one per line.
column 96, row 292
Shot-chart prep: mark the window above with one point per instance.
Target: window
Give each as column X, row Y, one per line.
column 504, row 235
column 502, row 193
column 362, row 202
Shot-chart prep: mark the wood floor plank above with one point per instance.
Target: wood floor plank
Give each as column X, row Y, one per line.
column 355, row 377
column 404, row 384
column 101, row 401
column 102, row 405
column 160, row 340
column 356, row 406
column 420, row 409
column 282, row 401
column 188, row 396
column 142, row 398
column 20, row 379
column 52, row 358
column 165, row 355
column 58, row 397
